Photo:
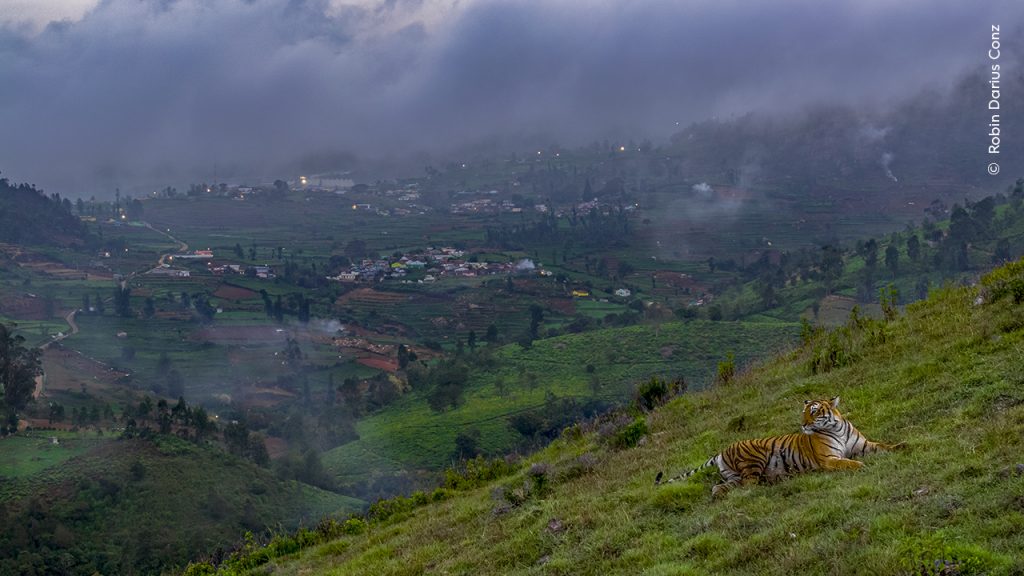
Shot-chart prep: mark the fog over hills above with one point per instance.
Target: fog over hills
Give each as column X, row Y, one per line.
column 143, row 93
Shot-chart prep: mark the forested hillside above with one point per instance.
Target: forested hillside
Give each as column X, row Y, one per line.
column 28, row 216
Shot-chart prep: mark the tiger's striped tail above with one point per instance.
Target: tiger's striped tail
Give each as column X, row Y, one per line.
column 711, row 462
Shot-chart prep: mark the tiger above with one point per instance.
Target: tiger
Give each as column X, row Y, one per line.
column 827, row 441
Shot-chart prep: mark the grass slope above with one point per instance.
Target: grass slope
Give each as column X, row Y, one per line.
column 93, row 505
column 946, row 378
column 408, row 433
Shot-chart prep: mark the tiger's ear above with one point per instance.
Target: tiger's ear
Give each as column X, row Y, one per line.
column 806, row 402
column 835, row 402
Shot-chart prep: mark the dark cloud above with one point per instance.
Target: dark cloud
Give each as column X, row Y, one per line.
column 139, row 92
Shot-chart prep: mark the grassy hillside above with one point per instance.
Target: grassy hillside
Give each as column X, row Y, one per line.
column 598, row 365
column 946, row 378
column 91, row 504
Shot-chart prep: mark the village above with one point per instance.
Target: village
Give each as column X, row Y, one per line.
column 436, row 263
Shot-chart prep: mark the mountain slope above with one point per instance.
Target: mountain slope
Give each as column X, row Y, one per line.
column 138, row 506
column 28, row 216
column 946, row 378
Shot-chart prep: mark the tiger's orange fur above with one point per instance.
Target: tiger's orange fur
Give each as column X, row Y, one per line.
column 827, row 442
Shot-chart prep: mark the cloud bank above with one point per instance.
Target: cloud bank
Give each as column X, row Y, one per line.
column 139, row 93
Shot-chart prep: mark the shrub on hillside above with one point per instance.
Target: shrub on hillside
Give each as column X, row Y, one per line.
column 1005, row 281
column 656, row 391
column 726, row 369
column 629, row 436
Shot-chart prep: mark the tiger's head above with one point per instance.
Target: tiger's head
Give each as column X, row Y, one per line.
column 820, row 415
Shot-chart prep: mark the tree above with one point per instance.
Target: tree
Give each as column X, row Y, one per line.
column 831, row 265
column 536, row 317
column 625, row 269
column 892, row 259
column 870, row 253
column 1002, row 253
column 149, row 310
column 292, row 354
column 962, row 227
column 278, row 309
column 239, row 253
column 467, row 444
column 163, row 416
column 280, row 188
column 405, row 356
column 258, row 450
column 19, row 367
column 202, row 424
column 135, row 210
column 123, row 302
column 351, row 392
column 913, row 248
column 492, row 334
column 449, row 380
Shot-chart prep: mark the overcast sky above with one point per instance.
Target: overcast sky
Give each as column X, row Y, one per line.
column 138, row 92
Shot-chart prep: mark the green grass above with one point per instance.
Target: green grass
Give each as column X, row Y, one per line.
column 946, row 378
column 409, row 433
column 26, row 454
column 132, row 506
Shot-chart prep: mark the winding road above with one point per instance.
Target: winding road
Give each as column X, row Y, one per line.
column 70, row 316
column 72, row 329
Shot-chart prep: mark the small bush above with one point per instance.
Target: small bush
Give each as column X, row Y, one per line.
column 383, row 509
column 540, row 476
column 353, row 526
column 578, row 467
column 629, row 436
column 726, row 369
column 200, row 569
column 656, row 392
column 477, row 472
column 1005, row 281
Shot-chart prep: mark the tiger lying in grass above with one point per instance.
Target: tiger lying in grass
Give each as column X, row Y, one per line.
column 827, row 443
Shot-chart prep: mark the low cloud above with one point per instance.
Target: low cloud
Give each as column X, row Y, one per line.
column 137, row 93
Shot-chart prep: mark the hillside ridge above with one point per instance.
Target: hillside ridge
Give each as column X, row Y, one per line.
column 945, row 378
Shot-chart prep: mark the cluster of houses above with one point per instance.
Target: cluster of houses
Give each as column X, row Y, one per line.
column 258, row 271
column 437, row 262
column 484, row 206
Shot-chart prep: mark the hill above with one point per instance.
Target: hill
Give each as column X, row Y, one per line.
column 28, row 216
column 518, row 397
column 77, row 503
column 945, row 378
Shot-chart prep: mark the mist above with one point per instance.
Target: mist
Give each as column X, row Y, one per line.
column 139, row 94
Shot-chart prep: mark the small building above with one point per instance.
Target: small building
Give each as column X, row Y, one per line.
column 623, row 293
column 580, row 294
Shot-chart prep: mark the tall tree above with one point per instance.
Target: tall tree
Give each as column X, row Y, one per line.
column 913, row 248
column 19, row 367
column 892, row 259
